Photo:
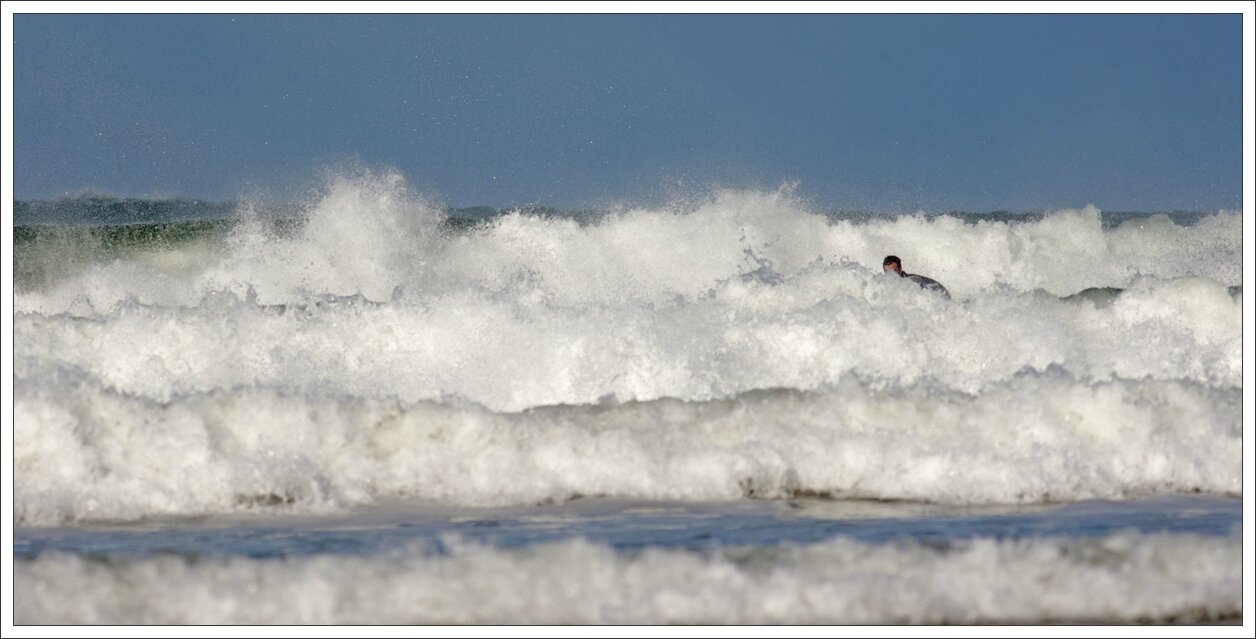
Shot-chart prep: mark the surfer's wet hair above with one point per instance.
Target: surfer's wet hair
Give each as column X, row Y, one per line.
column 892, row 259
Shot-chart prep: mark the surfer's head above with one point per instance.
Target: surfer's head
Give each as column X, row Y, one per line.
column 891, row 264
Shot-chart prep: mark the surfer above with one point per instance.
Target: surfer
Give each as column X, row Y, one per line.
column 892, row 264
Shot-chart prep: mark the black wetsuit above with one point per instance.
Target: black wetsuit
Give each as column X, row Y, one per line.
column 928, row 284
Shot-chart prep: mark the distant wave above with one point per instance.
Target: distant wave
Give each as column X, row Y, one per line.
column 368, row 234
column 105, row 210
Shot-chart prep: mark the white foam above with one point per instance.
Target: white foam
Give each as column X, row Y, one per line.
column 743, row 290
column 274, row 364
column 518, row 349
column 83, row 452
column 1121, row 578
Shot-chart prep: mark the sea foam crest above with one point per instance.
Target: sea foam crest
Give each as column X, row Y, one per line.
column 518, row 347
column 368, row 234
column 86, row 453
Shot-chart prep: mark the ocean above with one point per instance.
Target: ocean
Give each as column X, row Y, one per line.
column 368, row 408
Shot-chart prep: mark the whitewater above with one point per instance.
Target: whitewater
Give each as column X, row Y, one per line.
column 249, row 369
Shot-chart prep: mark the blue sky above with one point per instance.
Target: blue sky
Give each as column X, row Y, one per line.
column 880, row 112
